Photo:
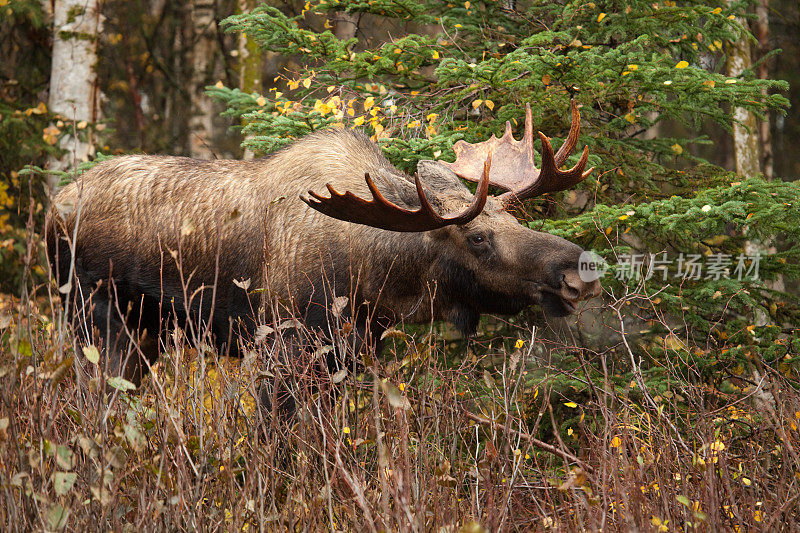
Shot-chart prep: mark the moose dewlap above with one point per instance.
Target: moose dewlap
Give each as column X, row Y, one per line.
column 144, row 242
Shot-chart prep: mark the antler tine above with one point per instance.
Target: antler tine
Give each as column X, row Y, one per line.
column 381, row 213
column 572, row 138
column 527, row 138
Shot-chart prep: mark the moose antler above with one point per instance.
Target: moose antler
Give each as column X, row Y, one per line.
column 381, row 213
column 514, row 168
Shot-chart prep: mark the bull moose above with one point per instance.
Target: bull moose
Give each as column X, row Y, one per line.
column 141, row 240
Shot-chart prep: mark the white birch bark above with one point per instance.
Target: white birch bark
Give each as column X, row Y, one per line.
column 745, row 127
column 74, row 92
column 746, row 147
column 203, row 54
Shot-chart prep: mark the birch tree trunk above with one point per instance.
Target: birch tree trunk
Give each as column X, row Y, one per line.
column 74, row 92
column 745, row 126
column 746, row 147
column 203, row 54
column 249, row 62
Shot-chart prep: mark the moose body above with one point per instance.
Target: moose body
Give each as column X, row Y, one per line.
column 169, row 238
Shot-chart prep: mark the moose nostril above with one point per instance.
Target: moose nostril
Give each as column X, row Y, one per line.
column 579, row 289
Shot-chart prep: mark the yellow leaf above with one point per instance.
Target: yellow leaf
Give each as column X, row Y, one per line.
column 717, row 446
column 489, row 104
column 476, row 104
column 346, row 430
column 570, row 432
column 682, row 64
column 677, row 148
column 359, row 121
column 571, row 405
column 623, row 217
column 435, row 55
column 710, row 83
column 81, row 125
column 50, row 135
column 600, row 17
column 431, row 117
column 519, row 344
column 717, row 10
column 307, row 83
column 261, row 101
column 293, row 84
column 467, row 4
column 219, row 84
column 351, row 111
column 413, row 124
column 398, row 51
column 616, row 442
column 633, row 67
column 369, row 102
column 630, row 117
column 758, row 516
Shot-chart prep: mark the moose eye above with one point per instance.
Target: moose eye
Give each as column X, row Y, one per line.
column 477, row 239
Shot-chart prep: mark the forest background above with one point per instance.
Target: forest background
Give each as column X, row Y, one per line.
column 671, row 404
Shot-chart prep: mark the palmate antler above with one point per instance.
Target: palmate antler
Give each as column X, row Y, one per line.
column 381, row 213
column 514, row 168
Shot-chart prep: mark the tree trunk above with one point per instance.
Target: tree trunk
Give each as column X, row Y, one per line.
column 203, row 54
column 745, row 126
column 762, row 33
column 249, row 62
column 74, row 92
column 746, row 144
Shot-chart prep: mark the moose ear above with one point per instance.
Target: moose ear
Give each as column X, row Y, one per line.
column 438, row 177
